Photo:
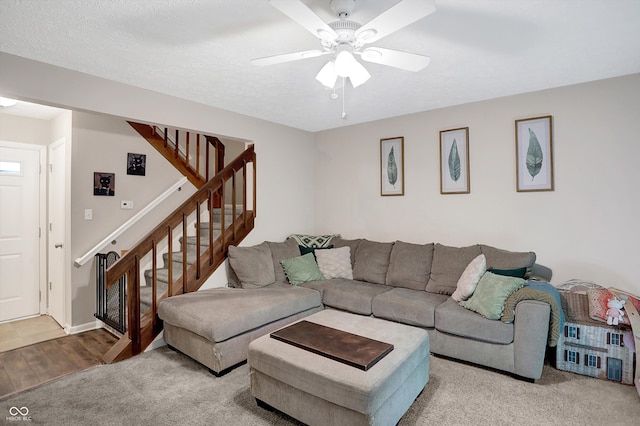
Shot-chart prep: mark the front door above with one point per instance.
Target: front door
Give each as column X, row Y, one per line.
column 614, row 369
column 19, row 232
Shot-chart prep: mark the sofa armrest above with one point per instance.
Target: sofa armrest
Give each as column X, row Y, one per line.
column 531, row 329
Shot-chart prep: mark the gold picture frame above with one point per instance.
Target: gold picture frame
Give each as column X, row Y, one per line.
column 392, row 166
column 534, row 154
column 454, row 161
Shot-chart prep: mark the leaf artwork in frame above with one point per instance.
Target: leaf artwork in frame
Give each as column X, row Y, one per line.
column 392, row 166
column 454, row 161
column 534, row 155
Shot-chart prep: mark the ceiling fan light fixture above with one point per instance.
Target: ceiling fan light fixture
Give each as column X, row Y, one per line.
column 344, row 63
column 327, row 75
column 359, row 74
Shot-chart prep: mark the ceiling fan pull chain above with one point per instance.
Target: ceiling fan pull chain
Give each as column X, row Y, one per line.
column 344, row 83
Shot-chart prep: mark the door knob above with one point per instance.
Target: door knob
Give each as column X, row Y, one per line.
column 59, row 245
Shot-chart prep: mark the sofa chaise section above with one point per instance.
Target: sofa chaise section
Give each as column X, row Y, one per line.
column 215, row 326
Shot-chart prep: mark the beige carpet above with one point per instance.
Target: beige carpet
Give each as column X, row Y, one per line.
column 163, row 387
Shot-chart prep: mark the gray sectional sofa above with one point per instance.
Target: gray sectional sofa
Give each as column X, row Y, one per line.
column 396, row 281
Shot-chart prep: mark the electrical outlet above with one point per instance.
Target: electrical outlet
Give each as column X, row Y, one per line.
column 126, row 205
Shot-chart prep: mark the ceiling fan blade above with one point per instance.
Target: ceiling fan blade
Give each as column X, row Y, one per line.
column 399, row 16
column 395, row 58
column 306, row 18
column 288, row 57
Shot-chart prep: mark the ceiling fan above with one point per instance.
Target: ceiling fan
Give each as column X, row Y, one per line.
column 344, row 38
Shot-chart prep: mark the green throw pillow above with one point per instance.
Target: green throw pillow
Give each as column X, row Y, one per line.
column 301, row 269
column 516, row 272
column 491, row 293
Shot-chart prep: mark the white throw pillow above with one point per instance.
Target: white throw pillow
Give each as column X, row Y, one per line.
column 470, row 278
column 335, row 263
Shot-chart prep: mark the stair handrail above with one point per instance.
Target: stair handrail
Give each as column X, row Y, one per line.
column 143, row 328
column 82, row 260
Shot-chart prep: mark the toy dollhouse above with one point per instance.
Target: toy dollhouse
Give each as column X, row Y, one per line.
column 593, row 348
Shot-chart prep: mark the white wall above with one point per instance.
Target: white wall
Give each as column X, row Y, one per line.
column 100, row 144
column 283, row 154
column 24, row 129
column 587, row 228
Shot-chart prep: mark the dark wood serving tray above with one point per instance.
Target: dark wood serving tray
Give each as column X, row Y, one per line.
column 348, row 348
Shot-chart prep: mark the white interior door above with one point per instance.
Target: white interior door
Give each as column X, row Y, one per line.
column 19, row 233
column 57, row 243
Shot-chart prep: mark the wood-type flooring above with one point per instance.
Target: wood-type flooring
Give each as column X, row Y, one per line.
column 28, row 366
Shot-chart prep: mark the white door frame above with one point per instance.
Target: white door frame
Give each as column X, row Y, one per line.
column 57, row 308
column 42, row 215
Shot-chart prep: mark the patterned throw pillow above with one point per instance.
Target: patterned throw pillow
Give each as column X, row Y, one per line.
column 315, row 241
column 335, row 263
column 470, row 278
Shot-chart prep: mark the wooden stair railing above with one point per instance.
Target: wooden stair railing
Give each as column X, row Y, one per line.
column 143, row 327
column 196, row 156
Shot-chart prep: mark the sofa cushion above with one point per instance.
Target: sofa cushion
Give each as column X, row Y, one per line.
column 352, row 296
column 504, row 259
column 469, row 279
column 410, row 265
column 491, row 293
column 280, row 251
column 413, row 307
column 448, row 265
column 335, row 263
column 252, row 265
column 313, row 240
column 301, row 269
column 372, row 262
column 352, row 244
column 453, row 319
column 219, row 314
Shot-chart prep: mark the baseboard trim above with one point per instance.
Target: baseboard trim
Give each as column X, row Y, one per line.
column 83, row 327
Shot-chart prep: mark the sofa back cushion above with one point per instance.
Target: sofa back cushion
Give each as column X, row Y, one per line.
column 253, row 266
column 510, row 260
column 281, row 251
column 448, row 265
column 372, row 261
column 410, row 265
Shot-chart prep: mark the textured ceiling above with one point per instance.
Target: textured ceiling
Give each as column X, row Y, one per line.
column 200, row 50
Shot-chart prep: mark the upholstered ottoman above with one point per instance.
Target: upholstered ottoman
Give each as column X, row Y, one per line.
column 320, row 391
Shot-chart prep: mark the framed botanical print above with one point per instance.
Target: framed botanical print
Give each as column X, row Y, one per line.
column 392, row 166
column 454, row 161
column 534, row 154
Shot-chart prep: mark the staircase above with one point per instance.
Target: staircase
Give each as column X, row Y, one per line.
column 182, row 251
column 162, row 274
column 185, row 151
